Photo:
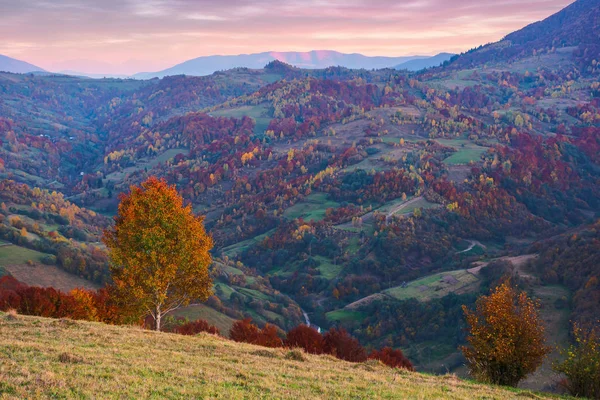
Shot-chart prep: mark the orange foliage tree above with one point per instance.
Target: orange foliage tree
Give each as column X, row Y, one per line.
column 159, row 251
column 506, row 336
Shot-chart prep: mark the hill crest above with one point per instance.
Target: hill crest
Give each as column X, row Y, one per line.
column 136, row 363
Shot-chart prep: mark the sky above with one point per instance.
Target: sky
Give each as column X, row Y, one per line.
column 129, row 36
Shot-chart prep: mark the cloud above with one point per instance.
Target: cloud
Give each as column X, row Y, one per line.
column 159, row 33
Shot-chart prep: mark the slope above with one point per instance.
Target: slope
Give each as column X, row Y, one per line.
column 577, row 26
column 9, row 64
column 312, row 59
column 419, row 64
column 52, row 358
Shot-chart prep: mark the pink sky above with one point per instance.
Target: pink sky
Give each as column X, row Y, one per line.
column 128, row 36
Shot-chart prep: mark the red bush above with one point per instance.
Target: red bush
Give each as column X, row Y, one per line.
column 340, row 344
column 268, row 337
column 195, row 327
column 392, row 358
column 49, row 302
column 306, row 338
column 245, row 331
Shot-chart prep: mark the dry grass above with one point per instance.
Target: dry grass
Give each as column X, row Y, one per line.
column 46, row 358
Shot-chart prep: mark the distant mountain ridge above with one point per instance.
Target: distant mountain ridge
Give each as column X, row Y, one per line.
column 315, row 59
column 577, row 25
column 423, row 63
column 8, row 64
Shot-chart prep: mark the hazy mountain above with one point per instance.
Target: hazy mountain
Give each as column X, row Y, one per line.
column 313, row 59
column 577, row 25
column 8, row 64
column 422, row 63
column 93, row 76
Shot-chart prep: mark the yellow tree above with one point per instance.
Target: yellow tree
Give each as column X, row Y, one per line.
column 506, row 336
column 159, row 251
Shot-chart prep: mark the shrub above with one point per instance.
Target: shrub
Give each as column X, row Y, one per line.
column 295, row 355
column 340, row 344
column 392, row 358
column 246, row 331
column 195, row 327
column 582, row 364
column 305, row 338
column 52, row 303
column 506, row 337
column 268, row 337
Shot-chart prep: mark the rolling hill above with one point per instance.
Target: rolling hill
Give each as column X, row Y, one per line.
column 423, row 63
column 311, row 60
column 576, row 27
column 76, row 359
column 8, row 64
column 326, row 187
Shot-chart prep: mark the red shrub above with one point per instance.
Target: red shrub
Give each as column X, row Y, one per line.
column 195, row 327
column 246, row 331
column 268, row 337
column 392, row 358
column 8, row 283
column 49, row 302
column 306, row 338
column 339, row 343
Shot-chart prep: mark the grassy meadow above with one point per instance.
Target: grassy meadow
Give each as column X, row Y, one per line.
column 64, row 359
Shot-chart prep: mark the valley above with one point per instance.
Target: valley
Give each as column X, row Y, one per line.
column 380, row 201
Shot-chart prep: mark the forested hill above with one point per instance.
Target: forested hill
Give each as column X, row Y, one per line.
column 378, row 201
column 577, row 27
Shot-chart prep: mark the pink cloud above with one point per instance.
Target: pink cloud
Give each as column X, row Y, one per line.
column 94, row 37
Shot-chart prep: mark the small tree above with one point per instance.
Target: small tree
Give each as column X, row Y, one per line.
column 581, row 365
column 392, row 358
column 305, row 337
column 340, row 344
column 245, row 331
column 159, row 251
column 506, row 336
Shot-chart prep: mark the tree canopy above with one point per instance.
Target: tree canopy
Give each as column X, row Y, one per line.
column 159, row 251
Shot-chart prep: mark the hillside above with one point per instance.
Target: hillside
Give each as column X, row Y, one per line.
column 8, row 64
column 576, row 27
column 419, row 64
column 71, row 359
column 323, row 188
column 311, row 60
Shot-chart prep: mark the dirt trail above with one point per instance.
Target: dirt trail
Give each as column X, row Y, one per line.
column 472, row 243
column 402, row 206
column 518, row 261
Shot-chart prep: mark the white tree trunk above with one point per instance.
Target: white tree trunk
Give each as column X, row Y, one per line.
column 157, row 319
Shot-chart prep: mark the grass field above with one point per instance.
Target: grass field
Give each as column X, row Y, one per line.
column 313, row 207
column 327, row 268
column 467, row 151
column 201, row 311
column 420, row 203
column 345, row 315
column 47, row 358
column 237, row 248
column 258, row 112
column 436, row 286
column 13, row 254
